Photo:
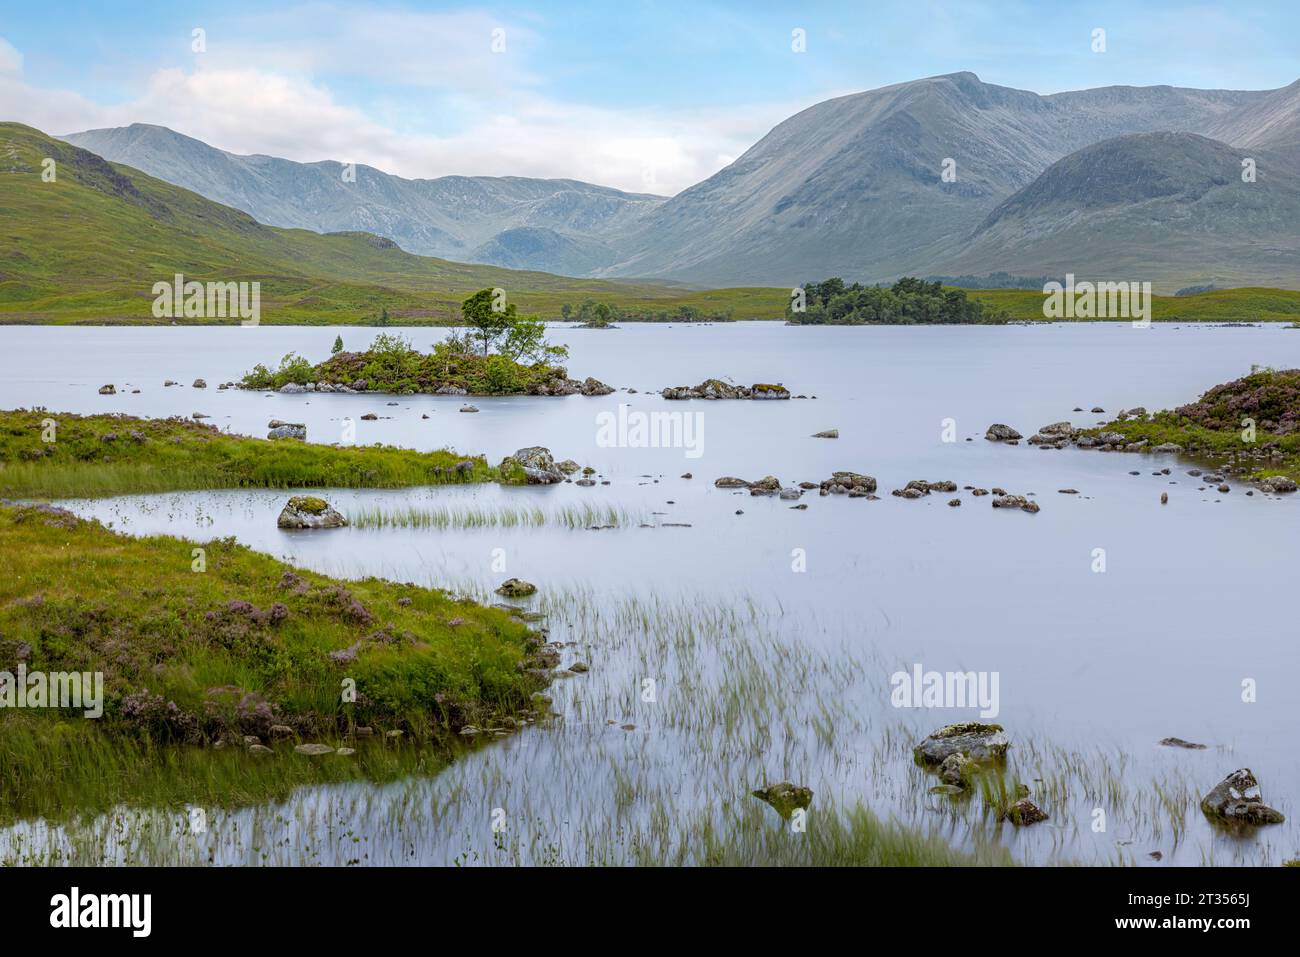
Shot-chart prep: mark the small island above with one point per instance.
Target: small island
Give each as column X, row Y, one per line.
column 499, row 353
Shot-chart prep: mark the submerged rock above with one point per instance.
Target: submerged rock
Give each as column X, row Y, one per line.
column 1237, row 800
column 309, row 511
column 971, row 739
column 1180, row 743
column 1024, row 812
column 785, row 797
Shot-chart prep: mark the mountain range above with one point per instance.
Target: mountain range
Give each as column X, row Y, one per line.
column 1138, row 183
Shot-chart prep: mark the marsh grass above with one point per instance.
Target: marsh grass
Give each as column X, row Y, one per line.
column 449, row 517
column 736, row 705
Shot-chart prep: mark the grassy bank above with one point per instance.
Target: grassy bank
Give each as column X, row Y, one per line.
column 1250, row 425
column 1218, row 305
column 118, row 454
column 198, row 649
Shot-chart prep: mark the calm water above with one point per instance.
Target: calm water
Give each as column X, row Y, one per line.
column 1094, row 668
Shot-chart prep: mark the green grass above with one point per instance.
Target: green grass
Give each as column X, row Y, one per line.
column 1220, row 305
column 160, row 455
column 89, row 246
column 192, row 654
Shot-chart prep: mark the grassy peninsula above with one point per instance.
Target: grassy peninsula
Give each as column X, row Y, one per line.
column 60, row 455
column 240, row 644
column 1251, row 425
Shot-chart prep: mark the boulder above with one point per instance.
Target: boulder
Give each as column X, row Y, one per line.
column 765, row 390
column 1167, row 447
column 538, row 465
column 199, row 384
column 828, row 434
column 1024, row 812
column 768, row 485
column 469, row 408
column 972, row 740
column 516, row 588
column 785, row 797
column 292, row 388
column 730, row 481
column 1237, row 800
column 568, row 466
column 592, row 386
column 109, row 389
column 441, row 390
column 309, row 511
column 313, row 749
column 998, row 432
column 849, row 481
column 1278, row 483
column 287, row 430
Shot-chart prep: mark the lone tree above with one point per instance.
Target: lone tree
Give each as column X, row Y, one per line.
column 487, row 313
column 338, row 346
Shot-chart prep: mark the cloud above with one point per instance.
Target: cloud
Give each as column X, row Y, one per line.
column 252, row 110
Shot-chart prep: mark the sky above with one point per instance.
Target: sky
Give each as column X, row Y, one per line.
column 639, row 95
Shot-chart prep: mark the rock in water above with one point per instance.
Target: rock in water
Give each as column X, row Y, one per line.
column 1237, row 800
column 516, row 588
column 1023, row 812
column 828, row 434
column 308, row 511
column 785, row 797
column 764, row 390
column 1180, row 743
column 538, row 465
column 975, row 741
column 1001, row 433
column 107, row 390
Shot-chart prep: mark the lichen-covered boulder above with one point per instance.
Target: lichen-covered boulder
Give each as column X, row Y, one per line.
column 310, row 511
column 730, row 481
column 288, row 430
column 516, row 588
column 568, row 466
column 1278, row 483
column 1237, row 800
column 971, row 739
column 538, row 466
column 785, row 797
column 767, row 390
column 199, row 384
column 108, row 390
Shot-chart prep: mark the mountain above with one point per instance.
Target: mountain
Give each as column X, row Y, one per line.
column 90, row 244
column 1170, row 208
column 453, row 217
column 853, row 186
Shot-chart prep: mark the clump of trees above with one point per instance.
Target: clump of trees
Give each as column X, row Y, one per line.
column 600, row 315
column 910, row 301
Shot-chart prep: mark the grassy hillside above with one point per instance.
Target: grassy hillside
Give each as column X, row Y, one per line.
column 89, row 246
column 1219, row 305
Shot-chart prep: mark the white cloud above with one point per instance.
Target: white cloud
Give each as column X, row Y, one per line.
column 249, row 110
column 11, row 61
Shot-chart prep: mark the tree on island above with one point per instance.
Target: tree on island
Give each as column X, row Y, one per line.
column 495, row 323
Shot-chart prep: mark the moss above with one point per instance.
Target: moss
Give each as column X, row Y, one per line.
column 309, row 504
column 966, row 727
